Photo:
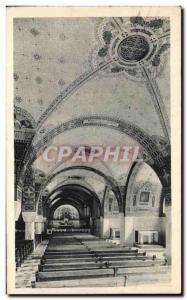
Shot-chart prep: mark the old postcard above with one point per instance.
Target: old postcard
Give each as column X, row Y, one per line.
column 93, row 150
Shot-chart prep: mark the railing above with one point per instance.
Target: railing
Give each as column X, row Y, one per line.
column 23, row 249
column 85, row 230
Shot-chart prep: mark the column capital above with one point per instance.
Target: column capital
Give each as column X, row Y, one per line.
column 29, row 216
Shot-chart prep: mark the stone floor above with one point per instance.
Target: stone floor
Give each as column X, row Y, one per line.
column 26, row 273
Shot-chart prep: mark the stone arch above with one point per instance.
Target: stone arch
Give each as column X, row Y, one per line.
column 50, row 174
column 77, row 188
column 109, row 180
column 59, row 202
column 101, row 121
column 73, row 181
column 154, row 156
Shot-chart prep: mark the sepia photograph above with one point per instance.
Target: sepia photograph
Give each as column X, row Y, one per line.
column 93, row 150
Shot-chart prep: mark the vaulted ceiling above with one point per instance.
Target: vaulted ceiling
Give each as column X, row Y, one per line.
column 51, row 53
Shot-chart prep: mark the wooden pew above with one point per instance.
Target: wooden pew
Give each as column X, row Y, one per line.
column 50, row 256
column 56, row 268
column 88, row 282
column 118, row 249
column 71, row 259
column 89, row 254
column 107, row 251
column 91, row 258
column 143, row 270
column 88, row 273
column 22, row 250
column 104, row 264
column 73, row 274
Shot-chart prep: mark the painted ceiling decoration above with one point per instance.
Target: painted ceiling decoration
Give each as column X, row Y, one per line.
column 132, row 44
column 127, row 48
column 128, row 55
column 115, row 35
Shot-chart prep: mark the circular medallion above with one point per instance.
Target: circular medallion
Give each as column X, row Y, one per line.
column 29, row 192
column 133, row 48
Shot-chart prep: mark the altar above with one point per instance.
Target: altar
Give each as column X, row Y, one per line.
column 146, row 237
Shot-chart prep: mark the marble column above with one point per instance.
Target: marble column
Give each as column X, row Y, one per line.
column 38, row 228
column 166, row 192
column 29, row 231
column 38, row 224
column 98, row 223
column 122, row 228
column 104, row 227
column 29, row 219
column 141, row 238
column 91, row 225
column 129, row 236
column 44, row 225
column 168, row 233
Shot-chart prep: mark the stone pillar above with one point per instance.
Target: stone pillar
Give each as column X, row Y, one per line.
column 104, row 227
column 129, row 235
column 44, row 225
column 141, row 238
column 101, row 227
column 168, row 222
column 98, row 222
column 38, row 228
column 29, row 231
column 29, row 219
column 38, row 224
column 168, row 233
column 122, row 228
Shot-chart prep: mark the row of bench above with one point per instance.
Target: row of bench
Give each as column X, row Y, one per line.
column 22, row 250
column 83, row 258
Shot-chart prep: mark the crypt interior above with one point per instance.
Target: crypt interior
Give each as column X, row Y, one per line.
column 91, row 81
